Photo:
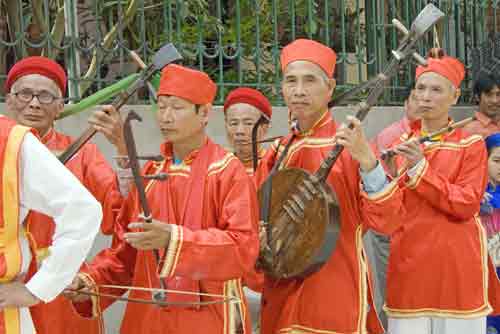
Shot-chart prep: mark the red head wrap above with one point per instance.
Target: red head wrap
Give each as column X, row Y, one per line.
column 192, row 85
column 448, row 67
column 252, row 97
column 309, row 50
column 37, row 65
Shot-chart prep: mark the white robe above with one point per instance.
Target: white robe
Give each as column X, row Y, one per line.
column 49, row 187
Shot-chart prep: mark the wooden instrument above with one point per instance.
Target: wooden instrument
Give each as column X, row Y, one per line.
column 141, row 190
column 387, row 154
column 300, row 214
column 166, row 55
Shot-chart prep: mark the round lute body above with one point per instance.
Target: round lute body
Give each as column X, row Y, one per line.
column 303, row 231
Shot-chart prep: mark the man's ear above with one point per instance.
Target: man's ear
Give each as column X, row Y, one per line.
column 204, row 111
column 8, row 101
column 458, row 92
column 332, row 84
column 59, row 108
column 265, row 128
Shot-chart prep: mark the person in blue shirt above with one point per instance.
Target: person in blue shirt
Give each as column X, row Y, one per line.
column 490, row 210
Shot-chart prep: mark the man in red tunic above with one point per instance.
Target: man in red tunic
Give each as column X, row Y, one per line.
column 44, row 79
column 380, row 243
column 437, row 274
column 336, row 299
column 204, row 224
column 243, row 108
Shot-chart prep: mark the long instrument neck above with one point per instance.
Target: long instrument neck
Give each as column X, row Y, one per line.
column 362, row 111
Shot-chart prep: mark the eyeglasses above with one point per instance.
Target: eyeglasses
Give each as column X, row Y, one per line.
column 27, row 95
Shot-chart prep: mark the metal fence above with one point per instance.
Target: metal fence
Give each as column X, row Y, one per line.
column 236, row 41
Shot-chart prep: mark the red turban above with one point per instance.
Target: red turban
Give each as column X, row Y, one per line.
column 37, row 65
column 446, row 66
column 309, row 50
column 252, row 97
column 192, row 85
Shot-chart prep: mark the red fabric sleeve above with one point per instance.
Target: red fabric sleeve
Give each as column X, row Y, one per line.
column 101, row 181
column 114, row 265
column 383, row 211
column 462, row 197
column 231, row 248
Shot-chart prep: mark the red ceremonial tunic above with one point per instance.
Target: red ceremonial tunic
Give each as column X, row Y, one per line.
column 438, row 261
column 95, row 173
column 11, row 137
column 337, row 299
column 254, row 279
column 209, row 250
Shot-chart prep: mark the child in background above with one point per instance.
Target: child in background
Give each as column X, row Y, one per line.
column 490, row 214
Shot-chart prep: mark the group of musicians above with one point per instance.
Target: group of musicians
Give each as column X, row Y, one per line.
column 205, row 216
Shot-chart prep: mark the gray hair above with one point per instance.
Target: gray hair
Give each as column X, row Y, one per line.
column 16, row 83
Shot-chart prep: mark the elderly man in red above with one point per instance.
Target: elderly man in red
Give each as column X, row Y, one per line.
column 336, row 299
column 204, row 224
column 243, row 108
column 44, row 79
column 437, row 274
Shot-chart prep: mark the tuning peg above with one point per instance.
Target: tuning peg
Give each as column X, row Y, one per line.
column 398, row 55
column 400, row 26
column 419, row 59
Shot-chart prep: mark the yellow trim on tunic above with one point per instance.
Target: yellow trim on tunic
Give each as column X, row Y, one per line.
column 466, row 142
column 219, row 166
column 229, row 309
column 415, row 180
column 298, row 329
column 158, row 166
column 384, row 194
column 172, row 252
column 178, row 251
column 306, row 143
column 12, row 320
column 242, row 305
column 180, row 168
column 96, row 305
column 481, row 311
column 9, row 236
column 41, row 254
column 363, row 277
column 10, row 198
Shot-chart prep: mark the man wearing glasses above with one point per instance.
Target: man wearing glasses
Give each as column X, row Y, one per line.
column 32, row 178
column 36, row 87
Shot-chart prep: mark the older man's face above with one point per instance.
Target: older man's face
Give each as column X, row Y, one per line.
column 39, row 112
column 240, row 120
column 307, row 91
column 435, row 95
